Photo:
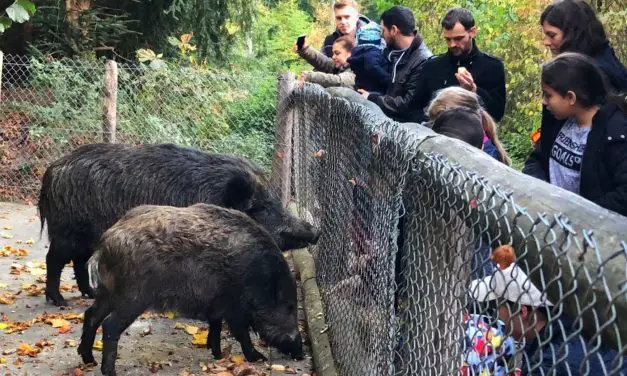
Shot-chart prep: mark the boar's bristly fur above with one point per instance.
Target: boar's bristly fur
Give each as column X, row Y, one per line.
column 198, row 261
column 88, row 190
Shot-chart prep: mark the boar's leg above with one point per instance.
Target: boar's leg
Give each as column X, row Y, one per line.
column 92, row 320
column 213, row 338
column 112, row 328
column 56, row 259
column 239, row 328
column 82, row 277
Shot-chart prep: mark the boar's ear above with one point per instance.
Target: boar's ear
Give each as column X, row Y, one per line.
column 238, row 193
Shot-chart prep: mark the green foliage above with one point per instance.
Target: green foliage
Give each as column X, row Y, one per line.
column 19, row 12
column 216, row 23
column 275, row 32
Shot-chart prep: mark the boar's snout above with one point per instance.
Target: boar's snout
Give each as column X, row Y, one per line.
column 292, row 344
column 300, row 235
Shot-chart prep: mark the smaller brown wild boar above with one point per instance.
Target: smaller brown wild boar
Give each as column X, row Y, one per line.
column 200, row 261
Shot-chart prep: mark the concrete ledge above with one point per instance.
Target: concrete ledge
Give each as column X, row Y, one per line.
column 314, row 314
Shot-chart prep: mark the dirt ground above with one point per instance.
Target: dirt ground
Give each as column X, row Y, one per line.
column 37, row 338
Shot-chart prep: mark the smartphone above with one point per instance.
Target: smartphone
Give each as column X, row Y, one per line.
column 300, row 41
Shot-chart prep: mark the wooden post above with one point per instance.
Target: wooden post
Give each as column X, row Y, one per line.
column 110, row 102
column 282, row 159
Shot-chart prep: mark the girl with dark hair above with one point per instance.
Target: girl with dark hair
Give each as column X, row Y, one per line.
column 587, row 155
column 572, row 26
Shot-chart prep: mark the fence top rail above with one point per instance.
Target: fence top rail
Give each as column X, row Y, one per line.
column 581, row 241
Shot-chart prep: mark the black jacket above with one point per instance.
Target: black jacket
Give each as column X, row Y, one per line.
column 371, row 68
column 327, row 45
column 604, row 167
column 615, row 72
column 405, row 69
column 487, row 71
column 616, row 75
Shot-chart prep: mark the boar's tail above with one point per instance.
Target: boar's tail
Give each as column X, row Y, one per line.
column 92, row 270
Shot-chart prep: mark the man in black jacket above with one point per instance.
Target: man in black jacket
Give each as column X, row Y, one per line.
column 407, row 54
column 463, row 65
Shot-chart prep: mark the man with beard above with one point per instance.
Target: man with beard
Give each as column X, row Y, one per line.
column 407, row 54
column 463, row 65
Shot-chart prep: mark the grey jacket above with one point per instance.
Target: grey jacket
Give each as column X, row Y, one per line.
column 327, row 74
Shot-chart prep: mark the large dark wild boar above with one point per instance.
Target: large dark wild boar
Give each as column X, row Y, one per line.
column 88, row 190
column 199, row 261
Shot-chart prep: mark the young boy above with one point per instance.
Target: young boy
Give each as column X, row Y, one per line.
column 333, row 71
column 367, row 60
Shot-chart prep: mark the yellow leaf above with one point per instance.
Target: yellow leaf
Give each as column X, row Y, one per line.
column 191, row 329
column 3, row 285
column 238, row 359
column 3, row 360
column 3, row 325
column 30, row 241
column 37, row 271
column 26, row 349
column 7, row 227
column 200, row 338
column 97, row 345
column 59, row 323
column 6, row 236
column 179, row 326
column 185, row 38
column 169, row 315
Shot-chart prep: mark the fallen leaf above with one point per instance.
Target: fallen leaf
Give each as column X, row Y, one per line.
column 7, row 298
column 200, row 338
column 184, row 372
column 244, row 370
column 155, row 367
column 146, row 331
column 169, row 315
column 77, row 372
column 179, row 326
column 29, row 242
column 97, row 345
column 8, row 351
column 7, row 227
column 190, row 329
column 278, row 367
column 6, row 236
column 3, row 285
column 238, row 359
column 58, row 323
column 32, row 289
column 70, row 343
column 65, row 329
column 27, row 350
column 37, row 271
column 43, row 343
column 3, row 325
column 3, row 360
column 224, row 374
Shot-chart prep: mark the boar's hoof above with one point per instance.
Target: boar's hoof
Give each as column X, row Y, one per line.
column 87, row 355
column 254, row 356
column 56, row 299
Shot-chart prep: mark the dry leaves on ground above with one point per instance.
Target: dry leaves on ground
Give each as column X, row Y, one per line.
column 7, row 251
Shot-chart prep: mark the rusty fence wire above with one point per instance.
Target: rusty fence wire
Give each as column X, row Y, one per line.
column 435, row 259
column 49, row 107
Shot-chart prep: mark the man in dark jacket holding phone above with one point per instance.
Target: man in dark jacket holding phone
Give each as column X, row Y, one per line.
column 407, row 54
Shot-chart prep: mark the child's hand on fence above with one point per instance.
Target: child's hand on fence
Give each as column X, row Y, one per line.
column 301, row 80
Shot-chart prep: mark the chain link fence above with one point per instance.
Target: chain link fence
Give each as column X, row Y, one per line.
column 50, row 107
column 413, row 264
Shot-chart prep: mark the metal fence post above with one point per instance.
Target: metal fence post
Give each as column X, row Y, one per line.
column 110, row 97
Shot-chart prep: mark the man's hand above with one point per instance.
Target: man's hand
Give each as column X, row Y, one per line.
column 466, row 81
column 363, row 93
column 295, row 46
